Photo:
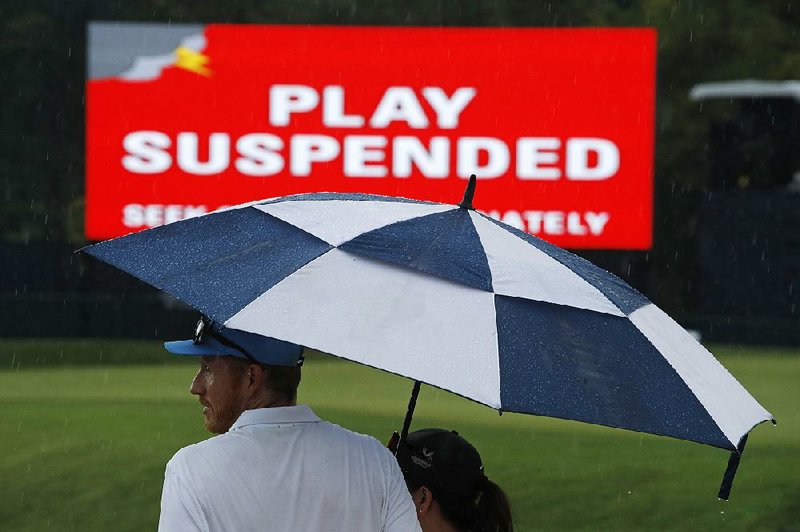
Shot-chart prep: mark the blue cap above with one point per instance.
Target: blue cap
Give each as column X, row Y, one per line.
column 211, row 339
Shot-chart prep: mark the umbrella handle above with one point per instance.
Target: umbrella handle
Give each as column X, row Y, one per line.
column 412, row 403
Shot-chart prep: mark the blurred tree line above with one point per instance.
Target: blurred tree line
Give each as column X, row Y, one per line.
column 42, row 77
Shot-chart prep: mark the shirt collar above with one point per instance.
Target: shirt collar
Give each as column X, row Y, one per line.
column 276, row 416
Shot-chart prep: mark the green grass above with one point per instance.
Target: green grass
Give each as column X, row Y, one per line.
column 83, row 443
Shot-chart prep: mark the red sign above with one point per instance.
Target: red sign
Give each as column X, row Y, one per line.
column 556, row 123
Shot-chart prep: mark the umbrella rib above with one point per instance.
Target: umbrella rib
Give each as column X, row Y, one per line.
column 730, row 471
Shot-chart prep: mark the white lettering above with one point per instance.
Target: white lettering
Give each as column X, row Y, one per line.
column 333, row 114
column 432, row 163
column 219, row 150
column 360, row 150
column 269, row 154
column 190, row 211
column 469, row 150
column 513, row 219
column 578, row 150
column 534, row 152
column 153, row 215
column 553, row 223
column 574, row 225
column 534, row 221
column 173, row 213
column 146, row 153
column 132, row 215
column 307, row 149
column 135, row 215
column 597, row 221
column 577, row 223
column 258, row 157
column 399, row 104
column 448, row 109
column 287, row 99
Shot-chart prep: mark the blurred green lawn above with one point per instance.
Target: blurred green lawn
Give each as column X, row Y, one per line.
column 87, row 426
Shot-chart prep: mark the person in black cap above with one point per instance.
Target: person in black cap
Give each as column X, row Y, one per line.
column 445, row 476
column 274, row 465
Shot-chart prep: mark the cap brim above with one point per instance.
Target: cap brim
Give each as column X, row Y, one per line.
column 209, row 347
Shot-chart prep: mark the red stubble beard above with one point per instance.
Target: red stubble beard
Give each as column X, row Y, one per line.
column 220, row 416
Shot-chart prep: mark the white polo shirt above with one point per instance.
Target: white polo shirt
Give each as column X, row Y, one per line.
column 284, row 469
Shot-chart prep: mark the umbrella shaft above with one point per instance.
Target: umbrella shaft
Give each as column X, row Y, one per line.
column 412, row 402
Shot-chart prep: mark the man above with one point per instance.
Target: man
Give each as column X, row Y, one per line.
column 274, row 464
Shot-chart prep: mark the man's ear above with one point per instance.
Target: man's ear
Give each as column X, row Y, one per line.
column 423, row 500
column 255, row 377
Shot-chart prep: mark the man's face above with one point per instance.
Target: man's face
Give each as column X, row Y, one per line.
column 220, row 385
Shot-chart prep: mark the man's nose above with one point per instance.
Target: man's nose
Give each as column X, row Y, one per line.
column 196, row 387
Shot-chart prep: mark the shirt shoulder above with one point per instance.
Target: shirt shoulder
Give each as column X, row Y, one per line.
column 365, row 441
column 201, row 452
column 381, row 460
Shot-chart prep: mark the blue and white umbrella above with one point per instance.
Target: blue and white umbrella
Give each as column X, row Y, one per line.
column 445, row 295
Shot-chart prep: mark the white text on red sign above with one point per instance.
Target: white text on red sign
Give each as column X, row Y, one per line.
column 267, row 153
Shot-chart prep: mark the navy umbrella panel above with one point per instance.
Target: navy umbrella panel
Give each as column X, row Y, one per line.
column 445, row 295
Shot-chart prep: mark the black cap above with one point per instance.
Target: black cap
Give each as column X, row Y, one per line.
column 442, row 460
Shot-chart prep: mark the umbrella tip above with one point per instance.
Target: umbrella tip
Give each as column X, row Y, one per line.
column 466, row 201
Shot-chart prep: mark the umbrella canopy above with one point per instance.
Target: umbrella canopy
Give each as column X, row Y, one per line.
column 445, row 295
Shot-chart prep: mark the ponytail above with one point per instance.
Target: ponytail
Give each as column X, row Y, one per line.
column 492, row 510
column 489, row 511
